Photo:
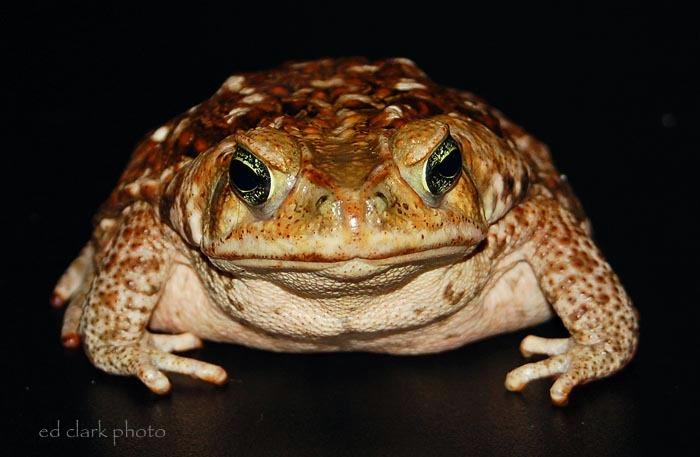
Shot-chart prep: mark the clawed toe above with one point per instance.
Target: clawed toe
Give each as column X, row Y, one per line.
column 149, row 362
column 532, row 345
column 567, row 362
column 520, row 377
column 160, row 358
column 154, row 379
column 70, row 340
column 194, row 368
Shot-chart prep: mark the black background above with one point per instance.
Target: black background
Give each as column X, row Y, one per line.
column 612, row 91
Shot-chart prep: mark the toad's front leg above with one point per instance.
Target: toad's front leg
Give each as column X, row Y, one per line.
column 584, row 292
column 126, row 288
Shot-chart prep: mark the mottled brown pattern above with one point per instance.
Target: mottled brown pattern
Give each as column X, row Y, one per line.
column 121, row 300
column 582, row 288
column 316, row 101
column 351, row 250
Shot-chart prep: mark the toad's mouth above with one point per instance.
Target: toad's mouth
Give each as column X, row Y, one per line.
column 340, row 273
column 321, row 263
column 362, row 256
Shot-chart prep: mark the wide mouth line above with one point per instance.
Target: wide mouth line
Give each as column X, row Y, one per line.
column 390, row 259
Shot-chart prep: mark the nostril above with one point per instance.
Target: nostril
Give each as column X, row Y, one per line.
column 381, row 203
column 321, row 200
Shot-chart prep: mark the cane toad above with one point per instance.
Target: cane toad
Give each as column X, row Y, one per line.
column 342, row 205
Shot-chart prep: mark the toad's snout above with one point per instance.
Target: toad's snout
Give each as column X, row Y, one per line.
column 353, row 210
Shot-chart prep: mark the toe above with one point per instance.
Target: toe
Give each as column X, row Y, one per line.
column 517, row 379
column 532, row 345
column 57, row 300
column 559, row 393
column 195, row 368
column 154, row 379
column 70, row 340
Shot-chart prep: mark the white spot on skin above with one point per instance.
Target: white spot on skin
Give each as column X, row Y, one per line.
column 300, row 64
column 497, row 183
column 195, row 222
column 168, row 172
column 357, row 97
column 236, row 112
column 408, row 84
column 161, row 134
column 320, row 103
column 247, row 90
column 133, row 189
column 336, row 210
column 333, row 82
column 234, row 83
column 523, row 142
column 364, row 68
column 404, row 61
column 277, row 122
column 345, row 112
column 393, row 112
column 180, row 127
column 302, row 91
column 497, row 201
column 354, row 224
column 107, row 223
column 253, row 98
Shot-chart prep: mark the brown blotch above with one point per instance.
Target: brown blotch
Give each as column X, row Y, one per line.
column 279, row 91
column 448, row 293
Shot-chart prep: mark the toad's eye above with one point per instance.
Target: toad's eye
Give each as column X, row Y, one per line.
column 249, row 177
column 443, row 167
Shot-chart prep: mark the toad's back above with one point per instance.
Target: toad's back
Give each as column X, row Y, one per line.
column 338, row 107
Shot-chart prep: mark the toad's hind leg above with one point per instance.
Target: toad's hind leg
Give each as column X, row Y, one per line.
column 76, row 275
column 73, row 288
column 129, row 277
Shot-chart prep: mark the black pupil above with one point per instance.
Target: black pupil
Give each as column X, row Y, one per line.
column 243, row 177
column 249, row 177
column 450, row 165
column 444, row 167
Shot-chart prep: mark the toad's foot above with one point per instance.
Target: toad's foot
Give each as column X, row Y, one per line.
column 148, row 359
column 572, row 363
column 584, row 292
column 129, row 277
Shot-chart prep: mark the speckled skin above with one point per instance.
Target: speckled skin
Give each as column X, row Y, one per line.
column 351, row 251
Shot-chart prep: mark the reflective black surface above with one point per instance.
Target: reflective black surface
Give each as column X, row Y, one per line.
column 614, row 94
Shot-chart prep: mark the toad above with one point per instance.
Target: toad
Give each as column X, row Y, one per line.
column 342, row 205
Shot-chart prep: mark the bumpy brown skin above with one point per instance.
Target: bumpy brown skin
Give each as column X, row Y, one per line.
column 346, row 127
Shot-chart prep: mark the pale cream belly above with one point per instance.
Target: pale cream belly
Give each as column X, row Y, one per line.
column 511, row 300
